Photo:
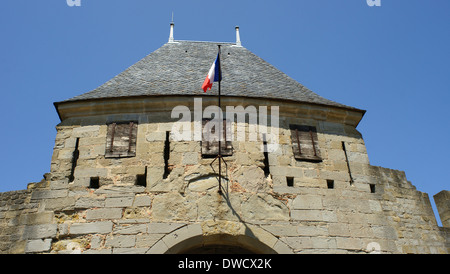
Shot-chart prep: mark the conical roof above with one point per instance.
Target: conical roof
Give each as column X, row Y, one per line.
column 180, row 67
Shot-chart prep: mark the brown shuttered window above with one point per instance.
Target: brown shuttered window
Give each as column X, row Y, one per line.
column 210, row 148
column 304, row 143
column 121, row 140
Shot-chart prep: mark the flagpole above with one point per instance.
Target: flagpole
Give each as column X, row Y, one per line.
column 220, row 132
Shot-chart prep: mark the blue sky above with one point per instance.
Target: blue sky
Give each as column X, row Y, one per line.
column 392, row 61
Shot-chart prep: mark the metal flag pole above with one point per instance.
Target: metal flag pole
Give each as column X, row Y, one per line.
column 220, row 131
column 220, row 128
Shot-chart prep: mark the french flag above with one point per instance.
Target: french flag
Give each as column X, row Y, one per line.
column 214, row 74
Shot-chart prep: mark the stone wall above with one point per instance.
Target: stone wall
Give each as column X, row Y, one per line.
column 16, row 212
column 331, row 206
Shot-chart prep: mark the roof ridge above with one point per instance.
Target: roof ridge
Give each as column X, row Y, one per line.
column 195, row 41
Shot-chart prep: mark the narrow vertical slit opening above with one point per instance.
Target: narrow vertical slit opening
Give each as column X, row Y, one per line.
column 348, row 164
column 166, row 155
column 75, row 155
column 372, row 188
column 266, row 158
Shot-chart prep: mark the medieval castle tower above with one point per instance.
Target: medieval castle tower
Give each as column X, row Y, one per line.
column 121, row 182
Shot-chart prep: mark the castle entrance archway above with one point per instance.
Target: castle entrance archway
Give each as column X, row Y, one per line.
column 220, row 238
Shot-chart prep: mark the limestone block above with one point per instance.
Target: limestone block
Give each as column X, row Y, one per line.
column 147, row 240
column 323, row 243
column 38, row 245
column 173, row 206
column 282, row 230
column 156, row 136
column 299, row 243
column 120, row 241
column 60, row 203
column 154, row 176
column 251, row 178
column 119, row 201
column 338, row 229
column 349, row 243
column 86, row 131
column 312, row 231
column 91, row 228
column 40, row 231
column 130, row 229
column 104, row 213
column 118, row 191
column 215, row 206
column 90, row 172
column 36, row 218
column 89, row 202
column 190, row 158
column 306, row 215
column 49, row 194
column 264, row 207
column 163, row 228
column 203, row 184
column 142, row 201
column 307, row 202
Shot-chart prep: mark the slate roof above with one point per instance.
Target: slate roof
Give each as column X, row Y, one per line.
column 180, row 68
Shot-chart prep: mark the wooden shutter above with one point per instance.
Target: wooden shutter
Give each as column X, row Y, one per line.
column 211, row 148
column 121, row 140
column 305, row 145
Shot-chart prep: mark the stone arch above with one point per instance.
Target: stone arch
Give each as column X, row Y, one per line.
column 250, row 238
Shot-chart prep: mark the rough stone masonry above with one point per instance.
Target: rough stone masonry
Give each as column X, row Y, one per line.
column 118, row 183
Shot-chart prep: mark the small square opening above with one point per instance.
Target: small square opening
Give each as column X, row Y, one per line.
column 372, row 188
column 330, row 184
column 290, row 181
column 94, row 182
column 141, row 180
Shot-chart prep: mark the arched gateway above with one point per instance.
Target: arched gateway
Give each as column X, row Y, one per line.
column 220, row 237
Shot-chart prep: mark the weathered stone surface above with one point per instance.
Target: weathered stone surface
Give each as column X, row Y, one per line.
column 38, row 245
column 120, row 241
column 91, row 228
column 184, row 209
column 104, row 213
column 264, row 207
column 142, row 201
column 251, row 179
column 40, row 231
column 119, row 201
column 130, row 229
column 181, row 208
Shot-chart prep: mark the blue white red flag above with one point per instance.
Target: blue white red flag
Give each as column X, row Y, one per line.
column 214, row 74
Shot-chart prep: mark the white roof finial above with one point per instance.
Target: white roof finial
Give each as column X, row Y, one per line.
column 172, row 24
column 238, row 37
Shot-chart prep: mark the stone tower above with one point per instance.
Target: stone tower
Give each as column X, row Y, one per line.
column 299, row 181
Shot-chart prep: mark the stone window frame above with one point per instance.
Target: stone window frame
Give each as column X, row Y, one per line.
column 121, row 139
column 305, row 144
column 211, row 149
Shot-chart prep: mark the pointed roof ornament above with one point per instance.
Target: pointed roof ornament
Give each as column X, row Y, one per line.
column 172, row 24
column 238, row 38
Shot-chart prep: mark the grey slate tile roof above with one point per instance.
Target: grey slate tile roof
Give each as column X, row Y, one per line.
column 180, row 68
